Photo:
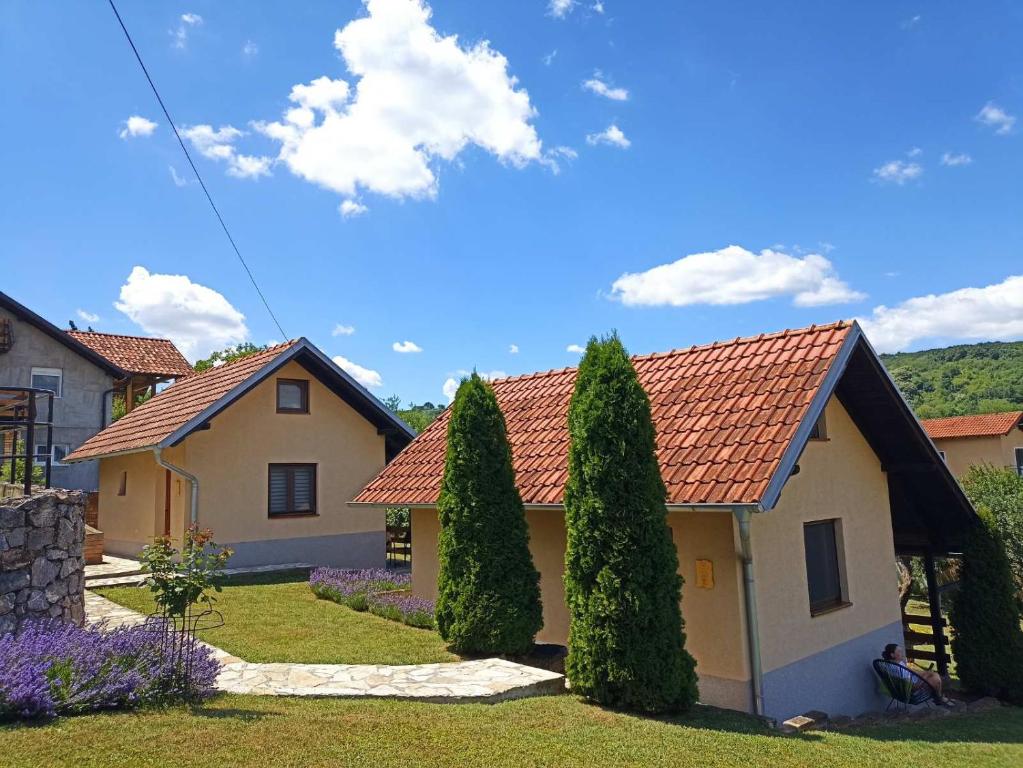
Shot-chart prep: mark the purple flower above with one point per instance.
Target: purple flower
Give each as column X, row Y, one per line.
column 50, row 667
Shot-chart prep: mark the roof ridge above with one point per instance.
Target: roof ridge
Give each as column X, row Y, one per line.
column 974, row 416
column 120, row 335
column 836, row 325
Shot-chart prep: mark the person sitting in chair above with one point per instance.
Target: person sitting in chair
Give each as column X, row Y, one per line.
column 896, row 657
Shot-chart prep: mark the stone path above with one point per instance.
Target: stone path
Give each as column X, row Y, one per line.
column 483, row 680
column 122, row 572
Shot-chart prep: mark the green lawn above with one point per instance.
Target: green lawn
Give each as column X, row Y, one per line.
column 558, row 731
column 276, row 617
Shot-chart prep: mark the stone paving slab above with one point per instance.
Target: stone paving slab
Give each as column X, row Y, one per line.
column 121, row 572
column 481, row 680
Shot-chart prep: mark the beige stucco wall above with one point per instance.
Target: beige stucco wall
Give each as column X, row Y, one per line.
column 230, row 459
column 965, row 452
column 840, row 478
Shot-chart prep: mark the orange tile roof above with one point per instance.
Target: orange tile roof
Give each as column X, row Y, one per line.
column 723, row 413
column 979, row 425
column 159, row 417
column 137, row 354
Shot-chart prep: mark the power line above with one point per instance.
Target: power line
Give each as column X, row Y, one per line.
column 195, row 170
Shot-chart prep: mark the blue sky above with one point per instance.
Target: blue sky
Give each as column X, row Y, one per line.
column 775, row 164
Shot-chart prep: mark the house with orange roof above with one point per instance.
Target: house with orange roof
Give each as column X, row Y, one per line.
column 794, row 471
column 84, row 370
column 985, row 439
column 266, row 451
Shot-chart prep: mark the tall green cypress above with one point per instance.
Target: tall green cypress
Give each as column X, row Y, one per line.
column 489, row 591
column 626, row 644
column 987, row 641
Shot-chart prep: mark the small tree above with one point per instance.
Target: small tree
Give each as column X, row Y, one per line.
column 1000, row 490
column 489, row 591
column 987, row 642
column 626, row 644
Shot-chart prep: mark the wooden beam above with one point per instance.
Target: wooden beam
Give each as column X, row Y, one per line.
column 937, row 621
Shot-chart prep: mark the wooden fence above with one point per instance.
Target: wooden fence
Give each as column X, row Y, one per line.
column 925, row 639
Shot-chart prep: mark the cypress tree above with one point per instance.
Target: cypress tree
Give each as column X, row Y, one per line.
column 489, row 591
column 626, row 644
column 987, row 642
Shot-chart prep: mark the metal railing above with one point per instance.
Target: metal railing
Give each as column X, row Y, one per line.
column 19, row 418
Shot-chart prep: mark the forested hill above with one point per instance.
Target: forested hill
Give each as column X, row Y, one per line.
column 969, row 378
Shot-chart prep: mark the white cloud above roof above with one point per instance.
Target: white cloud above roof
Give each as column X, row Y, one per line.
column 993, row 312
column 136, row 125
column 365, row 376
column 196, row 318
column 735, row 275
column 611, row 136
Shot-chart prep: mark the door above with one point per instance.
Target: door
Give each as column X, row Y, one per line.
column 166, row 502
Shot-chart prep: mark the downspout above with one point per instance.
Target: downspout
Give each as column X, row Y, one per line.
column 192, row 479
column 744, row 516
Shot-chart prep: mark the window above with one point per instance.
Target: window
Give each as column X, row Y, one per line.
column 57, row 457
column 1019, row 462
column 292, row 396
column 823, row 567
column 48, row 378
column 122, row 489
column 944, row 458
column 292, row 490
column 820, row 430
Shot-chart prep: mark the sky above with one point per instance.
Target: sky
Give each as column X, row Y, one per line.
column 426, row 189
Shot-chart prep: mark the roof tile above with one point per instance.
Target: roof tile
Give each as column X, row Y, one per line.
column 979, row 425
column 723, row 415
column 137, row 354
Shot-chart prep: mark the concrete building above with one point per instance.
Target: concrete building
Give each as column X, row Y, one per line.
column 795, row 473
column 36, row 353
column 266, row 451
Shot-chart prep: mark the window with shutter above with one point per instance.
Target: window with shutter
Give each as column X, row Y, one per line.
column 823, row 566
column 291, row 490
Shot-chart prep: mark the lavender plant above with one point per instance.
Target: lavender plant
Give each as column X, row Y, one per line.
column 379, row 591
column 52, row 668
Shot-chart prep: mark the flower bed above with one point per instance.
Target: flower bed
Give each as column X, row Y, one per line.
column 52, row 668
column 378, row 591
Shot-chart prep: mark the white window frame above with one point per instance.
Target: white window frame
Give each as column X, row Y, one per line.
column 54, row 462
column 1018, row 453
column 58, row 372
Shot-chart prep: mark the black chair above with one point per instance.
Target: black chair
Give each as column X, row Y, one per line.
column 905, row 687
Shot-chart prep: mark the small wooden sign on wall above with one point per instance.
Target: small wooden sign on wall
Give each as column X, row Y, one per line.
column 705, row 574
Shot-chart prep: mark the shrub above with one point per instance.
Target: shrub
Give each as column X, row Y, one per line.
column 987, row 641
column 353, row 587
column 403, row 607
column 49, row 668
column 489, row 591
column 1001, row 491
column 626, row 644
column 179, row 580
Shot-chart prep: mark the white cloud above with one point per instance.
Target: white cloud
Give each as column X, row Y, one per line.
column 406, row 347
column 911, row 22
column 365, row 376
column 179, row 181
column 342, row 330
column 548, row 59
column 350, row 208
column 450, row 387
column 597, row 7
column 995, row 117
column 179, row 36
column 136, row 125
column 418, row 97
column 196, row 318
column 734, row 275
column 994, row 312
column 897, row 172
column 513, row 349
column 953, row 160
column 914, row 152
column 218, row 144
column 597, row 85
column 88, row 317
column 559, row 9
column 576, row 348
column 250, row 49
column 611, row 135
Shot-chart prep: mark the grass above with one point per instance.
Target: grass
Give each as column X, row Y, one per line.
column 275, row 617
column 553, row 731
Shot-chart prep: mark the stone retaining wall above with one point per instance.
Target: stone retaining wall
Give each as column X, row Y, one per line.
column 41, row 558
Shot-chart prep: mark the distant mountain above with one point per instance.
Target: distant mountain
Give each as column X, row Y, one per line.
column 954, row 381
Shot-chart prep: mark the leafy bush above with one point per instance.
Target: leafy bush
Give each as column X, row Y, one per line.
column 626, row 646
column 51, row 668
column 987, row 641
column 489, row 591
column 1000, row 490
column 179, row 580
